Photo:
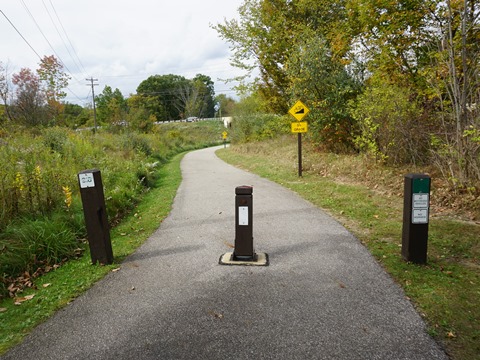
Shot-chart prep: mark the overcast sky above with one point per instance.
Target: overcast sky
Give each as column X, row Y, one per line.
column 119, row 42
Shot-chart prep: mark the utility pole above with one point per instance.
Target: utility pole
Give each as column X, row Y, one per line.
column 93, row 98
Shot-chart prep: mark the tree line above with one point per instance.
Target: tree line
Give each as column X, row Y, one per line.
column 396, row 79
column 36, row 98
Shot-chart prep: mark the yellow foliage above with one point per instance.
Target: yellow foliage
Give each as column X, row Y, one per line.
column 68, row 196
column 19, row 183
column 37, row 173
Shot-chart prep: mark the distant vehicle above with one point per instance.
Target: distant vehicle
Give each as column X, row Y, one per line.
column 192, row 119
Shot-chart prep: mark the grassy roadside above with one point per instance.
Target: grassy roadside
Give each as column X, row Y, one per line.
column 445, row 292
column 57, row 288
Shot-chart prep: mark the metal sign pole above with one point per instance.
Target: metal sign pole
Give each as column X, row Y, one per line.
column 224, row 135
column 299, row 111
column 300, row 154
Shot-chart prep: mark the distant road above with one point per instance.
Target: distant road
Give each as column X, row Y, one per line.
column 226, row 122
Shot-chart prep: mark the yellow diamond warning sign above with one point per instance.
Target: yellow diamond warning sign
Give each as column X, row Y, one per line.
column 299, row 127
column 299, row 110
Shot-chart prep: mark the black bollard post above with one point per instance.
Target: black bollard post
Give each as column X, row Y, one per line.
column 98, row 231
column 244, row 253
column 415, row 218
column 244, row 224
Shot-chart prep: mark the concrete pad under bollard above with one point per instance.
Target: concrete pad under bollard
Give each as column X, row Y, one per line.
column 260, row 259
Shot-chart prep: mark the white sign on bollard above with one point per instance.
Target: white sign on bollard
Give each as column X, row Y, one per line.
column 86, row 180
column 243, row 215
column 420, row 209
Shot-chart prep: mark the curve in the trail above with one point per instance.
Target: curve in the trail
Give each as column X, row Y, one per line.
column 323, row 296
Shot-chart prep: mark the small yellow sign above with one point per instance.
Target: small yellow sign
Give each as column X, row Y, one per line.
column 299, row 110
column 224, row 135
column 299, row 127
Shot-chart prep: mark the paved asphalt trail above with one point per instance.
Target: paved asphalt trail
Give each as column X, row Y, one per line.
column 322, row 297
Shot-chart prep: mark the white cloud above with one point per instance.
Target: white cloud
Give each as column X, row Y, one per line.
column 121, row 42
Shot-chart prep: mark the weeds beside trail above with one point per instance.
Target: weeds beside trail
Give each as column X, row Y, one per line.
column 44, row 259
column 368, row 199
column 57, row 288
column 41, row 217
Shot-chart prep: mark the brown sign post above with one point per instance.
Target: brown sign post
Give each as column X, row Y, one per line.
column 98, row 231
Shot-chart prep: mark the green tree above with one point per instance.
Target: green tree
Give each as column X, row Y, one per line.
column 391, row 126
column 55, row 80
column 139, row 118
column 197, row 97
column 74, row 115
column 430, row 50
column 392, row 40
column 259, row 40
column 206, row 95
column 163, row 96
column 227, row 105
column 327, row 87
column 111, row 106
column 422, row 53
column 267, row 33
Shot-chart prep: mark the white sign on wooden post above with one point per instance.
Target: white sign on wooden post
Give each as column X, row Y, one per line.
column 420, row 208
column 86, row 180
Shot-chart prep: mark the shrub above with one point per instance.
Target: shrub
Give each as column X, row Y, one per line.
column 55, row 138
column 138, row 143
column 391, row 125
column 259, row 127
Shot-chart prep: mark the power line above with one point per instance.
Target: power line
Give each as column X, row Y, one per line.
column 31, row 47
column 66, row 35
column 41, row 32
column 19, row 33
column 60, row 35
column 78, row 98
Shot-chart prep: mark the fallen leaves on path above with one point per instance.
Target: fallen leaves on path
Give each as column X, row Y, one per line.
column 229, row 245
column 215, row 314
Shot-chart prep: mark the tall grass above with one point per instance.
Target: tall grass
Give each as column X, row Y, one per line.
column 41, row 221
column 55, row 289
column 33, row 242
